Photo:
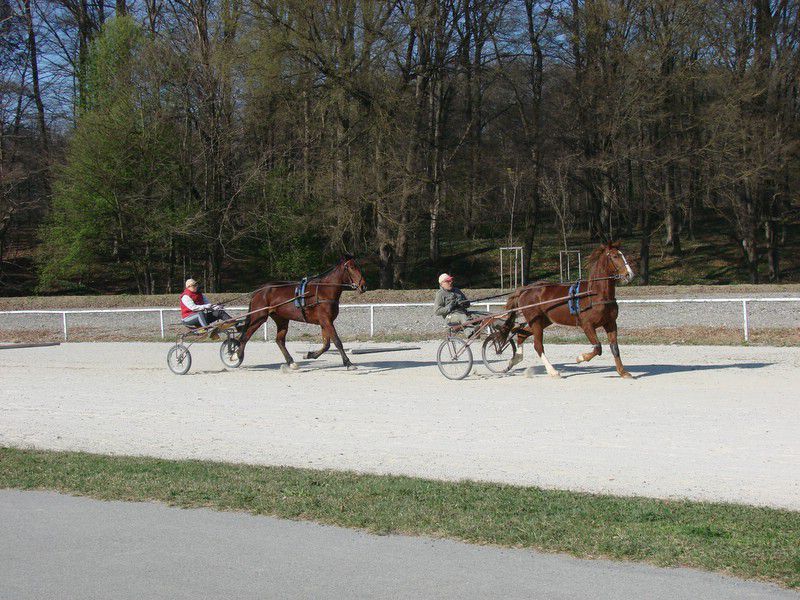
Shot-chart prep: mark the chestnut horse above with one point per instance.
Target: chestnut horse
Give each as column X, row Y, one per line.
column 273, row 300
column 599, row 309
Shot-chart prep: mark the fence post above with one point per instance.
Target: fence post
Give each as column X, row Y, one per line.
column 161, row 317
column 371, row 320
column 746, row 324
column 64, row 323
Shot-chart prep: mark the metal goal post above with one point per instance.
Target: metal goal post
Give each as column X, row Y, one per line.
column 569, row 261
column 511, row 267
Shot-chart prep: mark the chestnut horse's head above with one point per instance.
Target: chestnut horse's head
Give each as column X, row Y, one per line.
column 617, row 263
column 352, row 274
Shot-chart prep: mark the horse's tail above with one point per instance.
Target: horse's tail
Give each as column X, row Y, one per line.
column 248, row 320
column 511, row 304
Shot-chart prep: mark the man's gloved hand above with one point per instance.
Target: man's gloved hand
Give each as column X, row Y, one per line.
column 451, row 306
column 464, row 304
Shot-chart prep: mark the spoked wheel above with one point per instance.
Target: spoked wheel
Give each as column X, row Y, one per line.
column 229, row 353
column 179, row 359
column 454, row 358
column 497, row 352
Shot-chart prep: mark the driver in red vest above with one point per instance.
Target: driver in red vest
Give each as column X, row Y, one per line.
column 196, row 310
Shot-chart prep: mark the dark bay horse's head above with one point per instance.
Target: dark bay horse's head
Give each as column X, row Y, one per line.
column 617, row 263
column 352, row 274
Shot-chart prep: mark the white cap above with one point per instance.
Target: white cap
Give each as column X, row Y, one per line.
column 190, row 282
column 445, row 277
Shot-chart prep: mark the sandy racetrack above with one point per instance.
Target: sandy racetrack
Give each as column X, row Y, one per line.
column 711, row 423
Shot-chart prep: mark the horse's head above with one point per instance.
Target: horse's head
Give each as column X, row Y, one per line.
column 610, row 257
column 619, row 264
column 352, row 274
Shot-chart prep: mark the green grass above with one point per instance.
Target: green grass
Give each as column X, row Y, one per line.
column 745, row 541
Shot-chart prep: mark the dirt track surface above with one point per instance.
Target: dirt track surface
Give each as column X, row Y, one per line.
column 709, row 423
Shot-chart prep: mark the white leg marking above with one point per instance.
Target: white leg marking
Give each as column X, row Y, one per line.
column 551, row 370
column 516, row 359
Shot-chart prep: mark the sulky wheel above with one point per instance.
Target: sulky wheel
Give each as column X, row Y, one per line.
column 497, row 352
column 229, row 353
column 454, row 358
column 179, row 359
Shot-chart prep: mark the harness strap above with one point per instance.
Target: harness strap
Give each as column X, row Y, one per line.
column 300, row 297
column 574, row 302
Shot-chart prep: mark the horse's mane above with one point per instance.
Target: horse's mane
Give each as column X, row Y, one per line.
column 600, row 251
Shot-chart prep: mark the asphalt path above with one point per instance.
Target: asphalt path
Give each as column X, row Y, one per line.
column 57, row 546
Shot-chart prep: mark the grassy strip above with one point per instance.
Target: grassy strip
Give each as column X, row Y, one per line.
column 744, row 541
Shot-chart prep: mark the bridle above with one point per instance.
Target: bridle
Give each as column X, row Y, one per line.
column 628, row 276
column 348, row 265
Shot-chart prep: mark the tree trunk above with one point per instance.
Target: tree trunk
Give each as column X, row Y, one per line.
column 672, row 221
column 436, row 167
column 644, row 247
column 37, row 94
column 772, row 251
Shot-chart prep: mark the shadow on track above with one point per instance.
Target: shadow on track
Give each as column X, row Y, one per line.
column 373, row 366
column 655, row 370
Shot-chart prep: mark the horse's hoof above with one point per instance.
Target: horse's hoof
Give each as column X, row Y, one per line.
column 530, row 372
column 515, row 360
column 580, row 359
column 309, row 356
column 626, row 375
column 352, row 368
column 294, row 366
column 555, row 375
column 286, row 368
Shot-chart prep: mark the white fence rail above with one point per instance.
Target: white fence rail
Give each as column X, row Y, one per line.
column 372, row 308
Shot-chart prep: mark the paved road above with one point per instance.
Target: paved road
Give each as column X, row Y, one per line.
column 55, row 546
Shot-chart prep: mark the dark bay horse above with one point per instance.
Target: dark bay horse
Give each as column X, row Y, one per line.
column 321, row 307
column 608, row 265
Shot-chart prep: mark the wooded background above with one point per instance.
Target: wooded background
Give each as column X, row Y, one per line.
column 235, row 140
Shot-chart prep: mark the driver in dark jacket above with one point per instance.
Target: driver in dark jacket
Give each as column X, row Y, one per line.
column 451, row 303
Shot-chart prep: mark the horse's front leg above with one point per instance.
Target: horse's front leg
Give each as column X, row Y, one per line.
column 597, row 349
column 326, row 343
column 280, row 339
column 611, row 331
column 329, row 330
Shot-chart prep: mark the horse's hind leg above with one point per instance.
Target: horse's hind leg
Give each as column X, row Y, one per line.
column 597, row 349
column 611, row 331
column 280, row 339
column 522, row 335
column 538, row 344
column 249, row 332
